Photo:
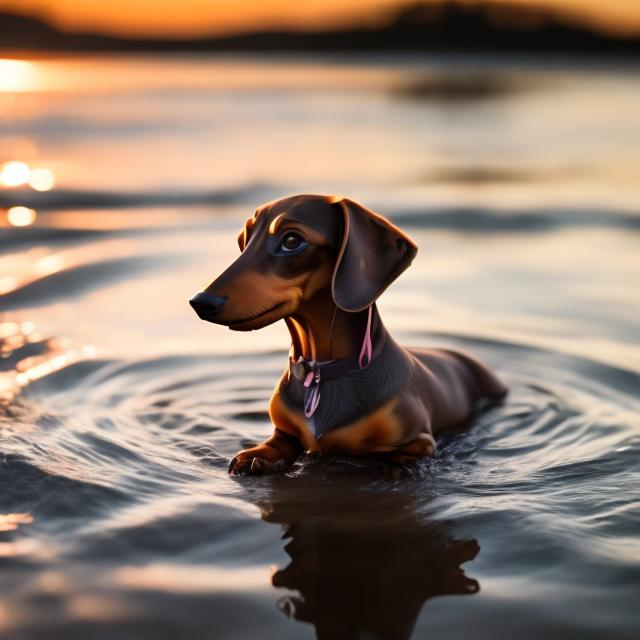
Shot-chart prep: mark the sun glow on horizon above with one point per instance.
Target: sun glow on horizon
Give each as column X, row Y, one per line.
column 191, row 18
column 16, row 76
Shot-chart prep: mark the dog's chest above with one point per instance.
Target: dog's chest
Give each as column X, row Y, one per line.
column 343, row 399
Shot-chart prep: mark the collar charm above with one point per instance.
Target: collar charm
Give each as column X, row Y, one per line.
column 311, row 372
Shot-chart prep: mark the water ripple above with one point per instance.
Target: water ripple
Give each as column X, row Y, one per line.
column 124, row 463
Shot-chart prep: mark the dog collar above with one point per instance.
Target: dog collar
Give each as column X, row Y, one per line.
column 312, row 373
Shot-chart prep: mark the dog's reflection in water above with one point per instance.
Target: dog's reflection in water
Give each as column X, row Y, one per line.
column 363, row 562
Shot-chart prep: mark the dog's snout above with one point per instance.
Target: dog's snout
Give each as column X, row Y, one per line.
column 207, row 305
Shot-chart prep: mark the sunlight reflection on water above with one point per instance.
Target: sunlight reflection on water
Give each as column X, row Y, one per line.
column 553, row 137
column 21, row 216
column 14, row 173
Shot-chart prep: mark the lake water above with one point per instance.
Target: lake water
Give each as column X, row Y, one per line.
column 120, row 409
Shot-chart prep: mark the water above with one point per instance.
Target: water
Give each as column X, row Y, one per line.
column 121, row 410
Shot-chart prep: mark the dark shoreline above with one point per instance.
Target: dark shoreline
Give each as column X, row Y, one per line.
column 445, row 27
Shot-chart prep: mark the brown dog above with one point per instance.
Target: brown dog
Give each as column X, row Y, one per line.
column 320, row 263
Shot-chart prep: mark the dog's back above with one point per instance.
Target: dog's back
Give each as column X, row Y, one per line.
column 451, row 383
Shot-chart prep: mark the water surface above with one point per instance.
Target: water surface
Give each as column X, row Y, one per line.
column 120, row 409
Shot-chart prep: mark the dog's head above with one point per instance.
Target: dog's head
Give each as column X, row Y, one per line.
column 295, row 247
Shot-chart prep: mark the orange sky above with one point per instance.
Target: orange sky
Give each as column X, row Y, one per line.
column 192, row 17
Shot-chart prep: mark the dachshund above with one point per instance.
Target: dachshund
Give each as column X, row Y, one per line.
column 320, row 263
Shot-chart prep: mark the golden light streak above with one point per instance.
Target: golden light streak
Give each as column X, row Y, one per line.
column 21, row 216
column 7, row 284
column 14, row 174
column 30, row 372
column 166, row 577
column 273, row 227
column 14, row 335
column 49, row 264
column 27, row 327
column 8, row 329
column 11, row 521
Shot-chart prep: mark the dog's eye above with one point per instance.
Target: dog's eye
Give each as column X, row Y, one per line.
column 290, row 242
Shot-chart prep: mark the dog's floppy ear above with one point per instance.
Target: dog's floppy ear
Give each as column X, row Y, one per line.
column 243, row 238
column 373, row 253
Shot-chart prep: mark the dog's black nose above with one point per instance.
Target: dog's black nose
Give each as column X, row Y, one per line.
column 207, row 305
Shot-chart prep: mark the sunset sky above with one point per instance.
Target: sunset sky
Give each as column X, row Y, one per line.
column 193, row 17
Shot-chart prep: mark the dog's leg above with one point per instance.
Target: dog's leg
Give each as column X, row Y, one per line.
column 271, row 456
column 400, row 461
column 424, row 446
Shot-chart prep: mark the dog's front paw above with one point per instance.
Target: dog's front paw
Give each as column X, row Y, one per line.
column 260, row 460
